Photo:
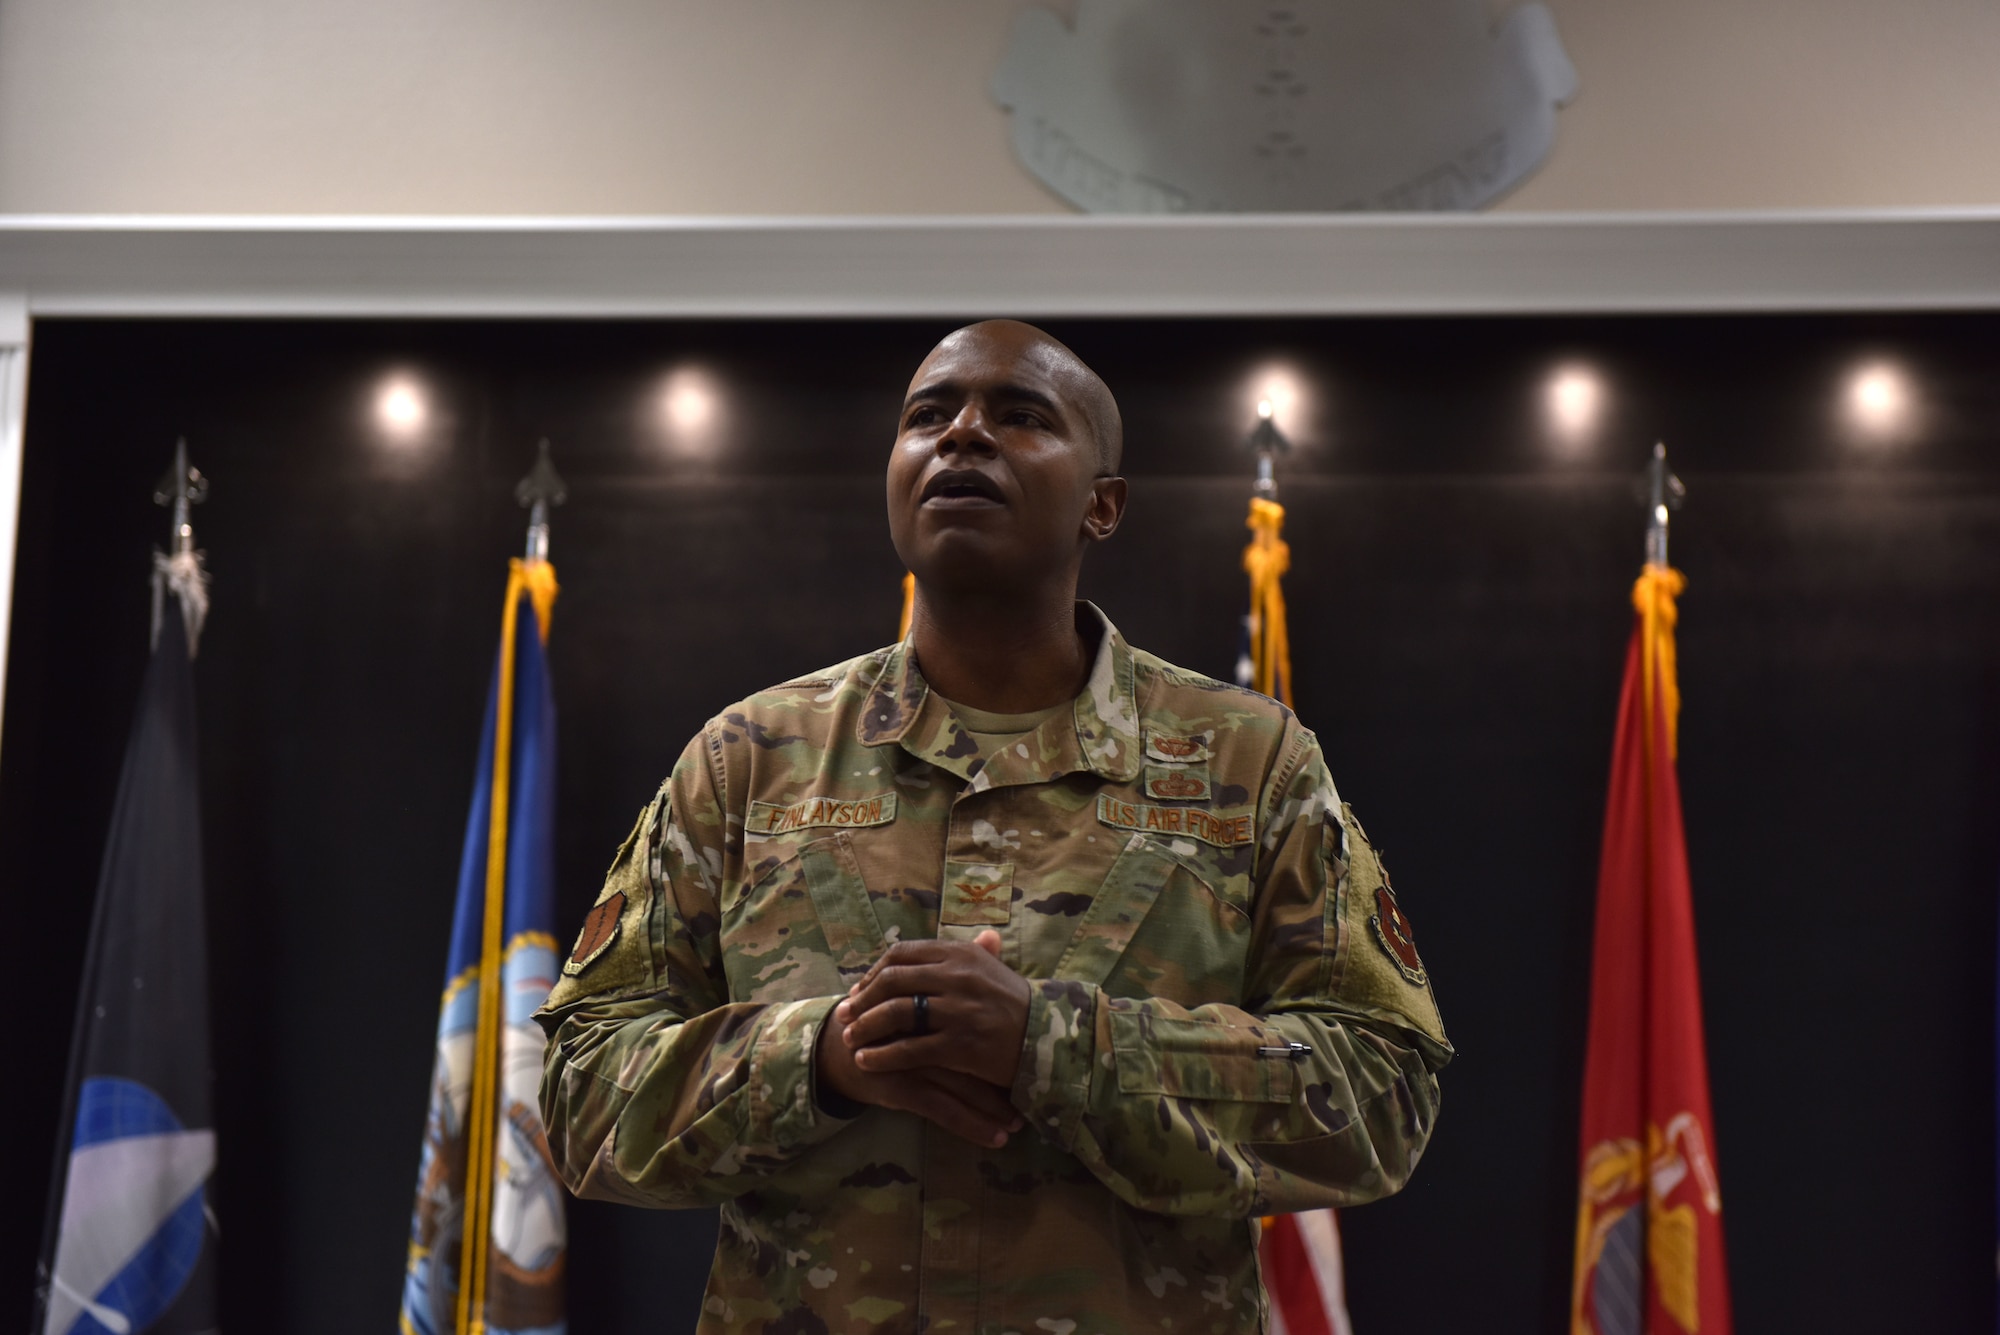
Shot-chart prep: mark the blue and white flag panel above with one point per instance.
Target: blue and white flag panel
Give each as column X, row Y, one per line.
column 130, row 1244
column 524, row 1288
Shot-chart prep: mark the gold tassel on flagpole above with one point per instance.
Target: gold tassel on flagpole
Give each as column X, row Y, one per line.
column 909, row 604
column 1267, row 558
column 1653, row 597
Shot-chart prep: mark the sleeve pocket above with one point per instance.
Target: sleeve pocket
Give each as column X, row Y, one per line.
column 1197, row 1059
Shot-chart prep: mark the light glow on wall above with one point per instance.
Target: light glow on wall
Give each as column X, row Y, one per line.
column 1279, row 394
column 689, row 411
column 402, row 408
column 1879, row 402
column 1574, row 400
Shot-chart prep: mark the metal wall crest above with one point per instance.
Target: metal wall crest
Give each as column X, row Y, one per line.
column 1172, row 106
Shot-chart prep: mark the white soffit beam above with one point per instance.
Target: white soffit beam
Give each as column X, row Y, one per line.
column 1279, row 265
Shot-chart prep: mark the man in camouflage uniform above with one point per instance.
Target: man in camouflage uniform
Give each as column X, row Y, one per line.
column 996, row 981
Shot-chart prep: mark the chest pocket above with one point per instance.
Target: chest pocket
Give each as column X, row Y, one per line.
column 1157, row 929
column 804, row 927
column 1154, row 928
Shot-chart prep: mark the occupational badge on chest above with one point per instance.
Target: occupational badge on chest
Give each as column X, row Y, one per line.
column 1396, row 936
column 977, row 894
column 1177, row 783
column 1177, row 767
column 1169, row 750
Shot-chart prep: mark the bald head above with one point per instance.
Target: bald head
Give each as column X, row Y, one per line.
column 1088, row 395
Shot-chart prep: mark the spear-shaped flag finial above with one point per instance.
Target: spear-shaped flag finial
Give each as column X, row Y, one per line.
column 1267, row 442
column 180, row 570
column 1664, row 494
column 542, row 488
column 180, row 488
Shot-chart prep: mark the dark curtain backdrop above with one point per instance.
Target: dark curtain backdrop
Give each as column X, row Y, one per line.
column 1459, row 602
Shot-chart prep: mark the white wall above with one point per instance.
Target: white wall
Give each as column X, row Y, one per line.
column 1779, row 104
column 880, row 106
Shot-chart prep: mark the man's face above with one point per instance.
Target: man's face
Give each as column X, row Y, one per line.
column 994, row 483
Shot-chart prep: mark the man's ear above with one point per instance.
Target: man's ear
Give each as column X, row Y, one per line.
column 1106, row 508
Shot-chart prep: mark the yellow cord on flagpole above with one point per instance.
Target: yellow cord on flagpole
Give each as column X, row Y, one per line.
column 1267, row 558
column 1653, row 597
column 537, row 579
column 909, row 604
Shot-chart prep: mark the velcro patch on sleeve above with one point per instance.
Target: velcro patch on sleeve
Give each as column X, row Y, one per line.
column 600, row 929
column 814, row 812
column 1396, row 936
column 1170, row 750
column 1223, row 829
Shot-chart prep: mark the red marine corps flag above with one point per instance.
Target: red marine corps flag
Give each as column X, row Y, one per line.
column 1649, row 1253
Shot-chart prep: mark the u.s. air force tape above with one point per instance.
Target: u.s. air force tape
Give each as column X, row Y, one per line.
column 775, row 818
column 1224, row 830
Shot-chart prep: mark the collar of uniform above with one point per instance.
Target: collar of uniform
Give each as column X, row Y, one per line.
column 902, row 709
column 1107, row 713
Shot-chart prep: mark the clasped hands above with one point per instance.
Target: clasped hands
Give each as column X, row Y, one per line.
column 959, row 1070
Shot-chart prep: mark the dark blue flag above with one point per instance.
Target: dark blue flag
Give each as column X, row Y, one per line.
column 130, row 1244
column 488, row 1238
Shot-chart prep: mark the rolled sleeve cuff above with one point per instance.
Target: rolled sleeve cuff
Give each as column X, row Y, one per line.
column 783, row 1111
column 1052, row 1086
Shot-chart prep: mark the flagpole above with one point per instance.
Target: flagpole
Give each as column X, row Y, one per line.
column 1657, row 581
column 1299, row 1253
column 1266, row 663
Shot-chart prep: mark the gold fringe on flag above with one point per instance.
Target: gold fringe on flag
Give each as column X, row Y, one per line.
column 909, row 604
column 536, row 579
column 1267, row 558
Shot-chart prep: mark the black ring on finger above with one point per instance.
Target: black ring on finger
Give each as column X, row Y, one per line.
column 920, row 1010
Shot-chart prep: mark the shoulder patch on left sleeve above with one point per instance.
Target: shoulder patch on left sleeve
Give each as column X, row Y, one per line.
column 600, row 929
column 1394, row 933
column 614, row 936
column 1385, row 977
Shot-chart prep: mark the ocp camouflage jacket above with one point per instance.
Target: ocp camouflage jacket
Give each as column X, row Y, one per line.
column 1228, row 1019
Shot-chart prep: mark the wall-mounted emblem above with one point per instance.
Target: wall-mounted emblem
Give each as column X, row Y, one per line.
column 1175, row 106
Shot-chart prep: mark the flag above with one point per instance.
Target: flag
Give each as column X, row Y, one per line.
column 488, row 1238
column 1304, row 1275
column 1299, row 1253
column 130, row 1241
column 1649, row 1223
